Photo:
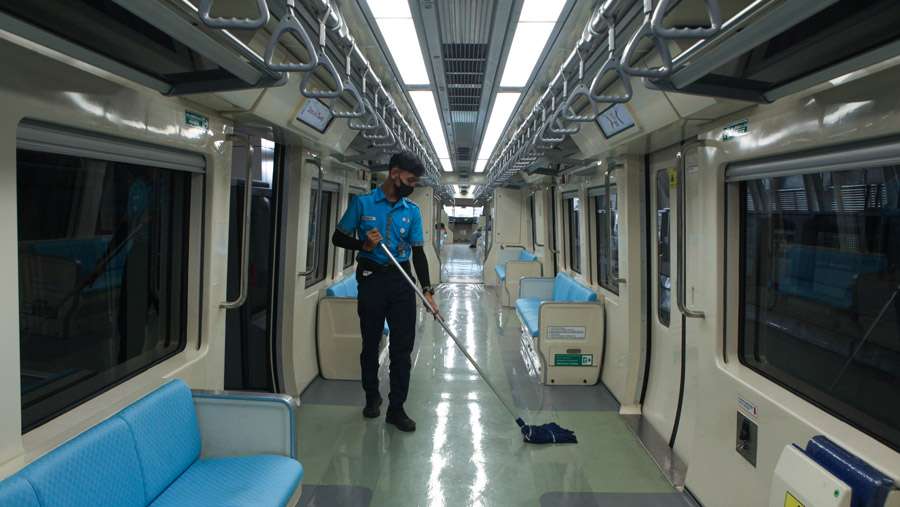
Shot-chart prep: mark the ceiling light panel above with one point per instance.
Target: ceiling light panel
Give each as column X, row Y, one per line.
column 503, row 107
column 527, row 46
column 424, row 102
column 403, row 43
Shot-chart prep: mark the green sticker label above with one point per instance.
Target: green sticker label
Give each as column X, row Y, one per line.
column 573, row 360
column 192, row 119
column 738, row 129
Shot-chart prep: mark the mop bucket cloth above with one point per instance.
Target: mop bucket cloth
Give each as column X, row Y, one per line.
column 550, row 433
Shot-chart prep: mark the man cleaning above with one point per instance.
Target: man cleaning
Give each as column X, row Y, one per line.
column 385, row 214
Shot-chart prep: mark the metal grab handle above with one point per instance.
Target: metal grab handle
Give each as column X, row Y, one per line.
column 568, row 111
column 390, row 144
column 357, row 111
column 662, row 48
column 245, row 226
column 381, row 125
column 315, row 219
column 681, row 292
column 555, row 124
column 367, row 126
column 536, row 143
column 504, row 247
column 291, row 23
column 323, row 61
column 609, row 223
column 554, row 140
column 715, row 23
column 234, row 23
column 612, row 65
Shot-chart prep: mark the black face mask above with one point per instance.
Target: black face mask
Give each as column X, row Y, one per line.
column 403, row 190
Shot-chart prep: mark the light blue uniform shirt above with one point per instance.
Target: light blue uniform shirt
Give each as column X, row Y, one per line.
column 400, row 225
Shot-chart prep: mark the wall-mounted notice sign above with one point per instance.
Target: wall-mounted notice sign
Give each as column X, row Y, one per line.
column 316, row 115
column 614, row 120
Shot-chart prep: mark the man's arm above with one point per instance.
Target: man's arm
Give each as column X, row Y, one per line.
column 339, row 239
column 421, row 265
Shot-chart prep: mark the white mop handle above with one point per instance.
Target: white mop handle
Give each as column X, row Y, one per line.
column 455, row 339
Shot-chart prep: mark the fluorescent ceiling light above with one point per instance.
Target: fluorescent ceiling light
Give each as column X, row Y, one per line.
column 532, row 10
column 480, row 165
column 527, row 46
column 390, row 8
column 447, row 165
column 503, row 107
column 424, row 102
column 403, row 43
column 456, row 189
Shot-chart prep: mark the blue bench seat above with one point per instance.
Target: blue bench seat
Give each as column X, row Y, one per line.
column 826, row 276
column 149, row 454
column 565, row 288
column 86, row 252
column 349, row 288
column 523, row 256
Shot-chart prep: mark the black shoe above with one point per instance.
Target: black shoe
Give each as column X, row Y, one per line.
column 372, row 405
column 398, row 418
column 471, row 246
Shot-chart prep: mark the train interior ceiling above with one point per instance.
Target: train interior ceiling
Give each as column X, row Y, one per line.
column 672, row 226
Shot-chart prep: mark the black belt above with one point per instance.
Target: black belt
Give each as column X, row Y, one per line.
column 369, row 265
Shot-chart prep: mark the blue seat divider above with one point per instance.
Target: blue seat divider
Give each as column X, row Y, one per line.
column 349, row 288
column 501, row 271
column 527, row 256
column 870, row 486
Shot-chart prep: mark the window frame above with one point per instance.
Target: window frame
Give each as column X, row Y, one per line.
column 92, row 149
column 573, row 232
column 321, row 243
column 659, row 288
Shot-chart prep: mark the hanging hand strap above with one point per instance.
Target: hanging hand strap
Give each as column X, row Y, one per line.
column 611, row 65
column 290, row 23
column 323, row 61
column 234, row 23
column 358, row 110
column 696, row 32
column 646, row 29
column 579, row 91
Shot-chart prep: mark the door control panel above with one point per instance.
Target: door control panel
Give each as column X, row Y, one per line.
column 746, row 438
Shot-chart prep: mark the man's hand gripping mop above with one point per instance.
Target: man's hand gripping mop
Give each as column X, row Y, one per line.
column 543, row 434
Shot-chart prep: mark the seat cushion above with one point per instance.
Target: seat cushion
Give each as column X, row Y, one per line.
column 166, row 435
column 529, row 309
column 97, row 468
column 501, row 271
column 527, row 256
column 346, row 288
column 248, row 480
column 387, row 330
column 565, row 288
column 16, row 491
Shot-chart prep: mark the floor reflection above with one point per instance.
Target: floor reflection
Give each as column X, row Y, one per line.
column 461, row 264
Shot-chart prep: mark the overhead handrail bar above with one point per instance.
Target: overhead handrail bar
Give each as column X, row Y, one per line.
column 662, row 47
column 234, row 23
column 715, row 23
column 357, row 111
column 323, row 61
column 290, row 23
column 611, row 65
column 245, row 225
column 681, row 292
column 315, row 219
column 609, row 223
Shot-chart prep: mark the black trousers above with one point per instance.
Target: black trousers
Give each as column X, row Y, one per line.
column 386, row 296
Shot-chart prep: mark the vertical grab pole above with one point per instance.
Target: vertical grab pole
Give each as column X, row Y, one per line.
column 681, row 293
column 609, row 222
column 315, row 219
column 245, row 236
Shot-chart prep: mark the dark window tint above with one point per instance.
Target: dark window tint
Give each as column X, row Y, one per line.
column 820, row 280
column 574, row 235
column 607, row 242
column 102, row 275
column 317, row 244
column 663, row 248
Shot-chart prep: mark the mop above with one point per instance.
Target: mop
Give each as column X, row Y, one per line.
column 543, row 434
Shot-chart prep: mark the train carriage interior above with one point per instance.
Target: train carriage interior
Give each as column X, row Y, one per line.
column 670, row 227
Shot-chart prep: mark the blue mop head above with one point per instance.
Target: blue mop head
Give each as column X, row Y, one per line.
column 549, row 433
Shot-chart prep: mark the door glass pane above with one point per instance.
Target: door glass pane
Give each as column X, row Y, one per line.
column 820, row 279
column 663, row 248
column 574, row 236
column 316, row 246
column 102, row 275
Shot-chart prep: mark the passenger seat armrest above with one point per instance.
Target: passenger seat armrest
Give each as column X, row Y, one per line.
column 236, row 423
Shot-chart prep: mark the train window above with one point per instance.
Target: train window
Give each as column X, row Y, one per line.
column 317, row 247
column 103, row 248
column 574, row 235
column 820, row 275
column 533, row 225
column 663, row 248
column 607, row 242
